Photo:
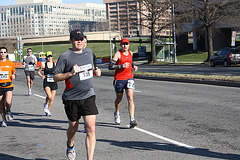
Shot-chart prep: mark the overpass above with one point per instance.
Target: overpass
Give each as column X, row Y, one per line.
column 101, row 35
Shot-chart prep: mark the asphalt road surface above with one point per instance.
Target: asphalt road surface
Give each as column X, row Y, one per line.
column 197, row 69
column 177, row 121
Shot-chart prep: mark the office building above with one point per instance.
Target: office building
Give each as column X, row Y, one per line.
column 46, row 17
column 124, row 18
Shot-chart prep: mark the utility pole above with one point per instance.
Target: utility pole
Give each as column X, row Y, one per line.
column 110, row 34
column 174, row 33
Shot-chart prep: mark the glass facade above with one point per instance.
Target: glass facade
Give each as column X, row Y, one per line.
column 39, row 19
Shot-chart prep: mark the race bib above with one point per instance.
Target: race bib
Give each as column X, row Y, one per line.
column 85, row 72
column 31, row 67
column 4, row 75
column 50, row 78
column 130, row 84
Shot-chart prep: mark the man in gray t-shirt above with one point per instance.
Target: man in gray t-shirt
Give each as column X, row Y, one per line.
column 29, row 62
column 76, row 67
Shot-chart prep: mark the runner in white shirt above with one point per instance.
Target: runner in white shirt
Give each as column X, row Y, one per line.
column 29, row 62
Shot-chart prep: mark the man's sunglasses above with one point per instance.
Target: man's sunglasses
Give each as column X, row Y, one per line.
column 79, row 39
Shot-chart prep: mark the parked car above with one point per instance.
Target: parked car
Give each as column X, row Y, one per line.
column 226, row 57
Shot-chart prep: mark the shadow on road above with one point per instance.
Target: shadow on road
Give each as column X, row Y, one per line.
column 111, row 125
column 151, row 146
column 9, row 157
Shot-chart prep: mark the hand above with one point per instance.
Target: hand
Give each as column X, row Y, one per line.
column 44, row 76
column 75, row 70
column 135, row 68
column 126, row 65
column 97, row 72
column 13, row 76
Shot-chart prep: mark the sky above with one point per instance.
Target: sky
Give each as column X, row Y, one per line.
column 12, row 2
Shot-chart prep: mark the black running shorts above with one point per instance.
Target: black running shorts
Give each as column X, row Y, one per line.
column 4, row 90
column 30, row 73
column 76, row 108
column 52, row 86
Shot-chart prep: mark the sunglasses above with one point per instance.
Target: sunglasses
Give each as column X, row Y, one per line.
column 29, row 51
column 79, row 39
column 3, row 52
column 125, row 43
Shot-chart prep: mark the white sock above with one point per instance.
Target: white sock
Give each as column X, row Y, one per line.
column 132, row 119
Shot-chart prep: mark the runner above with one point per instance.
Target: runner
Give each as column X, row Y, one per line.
column 76, row 66
column 123, row 79
column 7, row 74
column 49, row 85
column 29, row 61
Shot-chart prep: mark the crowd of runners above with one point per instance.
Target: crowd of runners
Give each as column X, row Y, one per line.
column 76, row 67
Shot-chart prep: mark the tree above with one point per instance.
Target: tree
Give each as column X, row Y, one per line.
column 151, row 13
column 8, row 43
column 210, row 13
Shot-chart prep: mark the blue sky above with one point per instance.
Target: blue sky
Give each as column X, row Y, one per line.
column 12, row 2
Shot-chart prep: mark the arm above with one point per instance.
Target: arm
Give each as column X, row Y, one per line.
column 39, row 71
column 63, row 76
column 13, row 72
column 23, row 62
column 96, row 70
column 113, row 66
column 35, row 59
column 135, row 68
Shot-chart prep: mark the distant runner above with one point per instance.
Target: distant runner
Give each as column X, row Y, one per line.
column 29, row 61
column 123, row 80
column 49, row 85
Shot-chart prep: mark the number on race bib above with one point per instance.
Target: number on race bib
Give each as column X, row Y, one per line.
column 86, row 75
column 4, row 75
column 130, row 84
column 86, row 72
column 31, row 67
column 50, row 78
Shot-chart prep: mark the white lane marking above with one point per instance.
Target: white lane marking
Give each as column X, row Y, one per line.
column 39, row 96
column 196, row 84
column 137, row 91
column 164, row 138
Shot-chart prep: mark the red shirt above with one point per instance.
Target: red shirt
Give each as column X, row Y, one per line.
column 124, row 73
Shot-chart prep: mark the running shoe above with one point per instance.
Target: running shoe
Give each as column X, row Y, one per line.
column 45, row 108
column 117, row 118
column 9, row 116
column 133, row 124
column 48, row 113
column 29, row 92
column 71, row 155
column 4, row 124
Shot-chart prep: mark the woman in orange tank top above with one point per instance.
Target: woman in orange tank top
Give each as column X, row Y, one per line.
column 123, row 80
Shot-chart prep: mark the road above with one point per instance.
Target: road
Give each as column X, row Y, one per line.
column 187, row 69
column 176, row 121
